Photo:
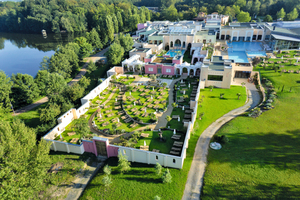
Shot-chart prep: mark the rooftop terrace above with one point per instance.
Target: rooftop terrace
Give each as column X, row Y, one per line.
column 163, row 60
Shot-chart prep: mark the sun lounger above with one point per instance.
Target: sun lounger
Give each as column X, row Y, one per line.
column 175, row 153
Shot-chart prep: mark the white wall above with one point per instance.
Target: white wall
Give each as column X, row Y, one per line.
column 68, row 117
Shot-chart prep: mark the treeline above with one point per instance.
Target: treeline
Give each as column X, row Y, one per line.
column 188, row 9
column 51, row 80
column 71, row 16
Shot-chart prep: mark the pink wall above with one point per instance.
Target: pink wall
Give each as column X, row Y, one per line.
column 177, row 61
column 164, row 68
column 141, row 26
column 112, row 151
column 150, row 66
column 89, row 146
column 147, row 60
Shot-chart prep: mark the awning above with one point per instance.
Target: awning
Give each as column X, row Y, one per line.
column 288, row 38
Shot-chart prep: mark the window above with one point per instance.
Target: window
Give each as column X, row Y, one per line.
column 168, row 70
column 124, row 152
column 174, row 161
column 209, row 40
column 214, row 78
column 150, row 69
column 156, row 157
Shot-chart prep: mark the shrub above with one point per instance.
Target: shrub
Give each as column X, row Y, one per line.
column 166, row 177
column 158, row 169
column 106, row 180
column 107, row 170
column 123, row 163
column 220, row 139
column 156, row 198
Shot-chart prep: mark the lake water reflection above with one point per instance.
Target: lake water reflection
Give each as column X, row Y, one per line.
column 23, row 53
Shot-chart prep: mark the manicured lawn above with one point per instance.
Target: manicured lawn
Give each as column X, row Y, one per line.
column 154, row 143
column 261, row 160
column 141, row 182
column 32, row 117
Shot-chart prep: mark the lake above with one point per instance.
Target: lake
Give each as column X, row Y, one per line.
column 23, row 53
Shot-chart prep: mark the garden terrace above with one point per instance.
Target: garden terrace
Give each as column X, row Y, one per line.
column 154, row 142
column 163, row 60
column 142, row 101
column 126, row 80
column 70, row 134
column 109, row 117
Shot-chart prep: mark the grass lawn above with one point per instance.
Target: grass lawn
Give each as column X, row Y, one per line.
column 57, row 182
column 32, row 117
column 261, row 160
column 153, row 141
column 141, row 182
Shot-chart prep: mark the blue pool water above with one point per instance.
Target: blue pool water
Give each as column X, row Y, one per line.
column 173, row 52
column 238, row 56
column 240, row 51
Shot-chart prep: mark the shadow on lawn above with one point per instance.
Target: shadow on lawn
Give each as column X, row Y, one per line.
column 262, row 149
column 242, row 190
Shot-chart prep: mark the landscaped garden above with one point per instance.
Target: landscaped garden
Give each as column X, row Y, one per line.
column 141, row 182
column 261, row 159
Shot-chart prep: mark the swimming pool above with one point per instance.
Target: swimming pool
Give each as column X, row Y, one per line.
column 173, row 52
column 241, row 51
column 238, row 56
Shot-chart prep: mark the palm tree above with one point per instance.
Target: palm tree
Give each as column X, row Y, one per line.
column 114, row 127
column 221, row 95
column 153, row 77
column 243, row 84
column 211, row 87
column 168, row 118
column 238, row 94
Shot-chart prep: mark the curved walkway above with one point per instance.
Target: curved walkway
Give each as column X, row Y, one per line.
column 196, row 174
column 81, row 73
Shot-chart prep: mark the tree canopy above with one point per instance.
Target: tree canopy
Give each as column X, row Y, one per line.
column 23, row 162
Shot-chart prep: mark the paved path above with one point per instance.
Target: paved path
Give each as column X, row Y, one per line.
column 79, row 184
column 81, row 73
column 162, row 122
column 195, row 177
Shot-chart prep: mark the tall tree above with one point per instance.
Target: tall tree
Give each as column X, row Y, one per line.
column 292, row 15
column 256, row 7
column 126, row 41
column 41, row 79
column 280, row 14
column 94, row 39
column 24, row 163
column 120, row 21
column 85, row 47
column 55, row 85
column 170, row 13
column 24, row 89
column 115, row 23
column 115, row 54
column 49, row 113
column 268, row 18
column 109, row 27
column 243, row 17
column 5, row 89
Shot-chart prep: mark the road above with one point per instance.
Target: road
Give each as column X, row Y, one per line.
column 94, row 58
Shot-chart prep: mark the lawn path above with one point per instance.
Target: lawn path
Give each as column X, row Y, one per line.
column 195, row 177
column 81, row 73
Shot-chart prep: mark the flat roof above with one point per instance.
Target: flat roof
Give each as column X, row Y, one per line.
column 216, row 66
column 281, row 37
column 144, row 50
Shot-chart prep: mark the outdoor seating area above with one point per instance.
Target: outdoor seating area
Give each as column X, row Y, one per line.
column 186, row 90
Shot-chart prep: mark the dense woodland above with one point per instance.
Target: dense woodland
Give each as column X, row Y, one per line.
column 101, row 20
